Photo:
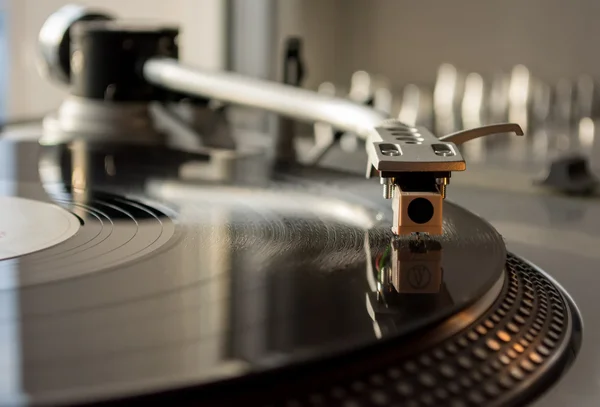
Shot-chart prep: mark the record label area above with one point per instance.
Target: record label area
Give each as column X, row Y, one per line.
column 108, row 232
column 28, row 226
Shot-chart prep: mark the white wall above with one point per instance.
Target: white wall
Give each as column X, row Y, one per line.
column 406, row 40
column 201, row 23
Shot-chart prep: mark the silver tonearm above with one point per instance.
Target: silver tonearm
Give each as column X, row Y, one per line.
column 413, row 165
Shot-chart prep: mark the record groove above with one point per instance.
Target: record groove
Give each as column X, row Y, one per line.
column 115, row 231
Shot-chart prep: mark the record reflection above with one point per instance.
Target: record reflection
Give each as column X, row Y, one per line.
column 407, row 279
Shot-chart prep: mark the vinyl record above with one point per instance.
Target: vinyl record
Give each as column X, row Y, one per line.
column 175, row 280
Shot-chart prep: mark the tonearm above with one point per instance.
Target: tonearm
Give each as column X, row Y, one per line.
column 140, row 64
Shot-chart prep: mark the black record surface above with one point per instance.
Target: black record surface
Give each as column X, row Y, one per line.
column 172, row 282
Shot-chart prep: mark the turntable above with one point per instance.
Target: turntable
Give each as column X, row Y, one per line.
column 151, row 254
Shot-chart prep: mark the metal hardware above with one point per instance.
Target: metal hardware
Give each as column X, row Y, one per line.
column 463, row 136
column 388, row 187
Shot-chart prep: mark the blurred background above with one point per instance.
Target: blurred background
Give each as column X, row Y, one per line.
column 403, row 40
column 445, row 65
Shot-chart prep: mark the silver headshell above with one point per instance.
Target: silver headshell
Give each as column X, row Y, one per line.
column 414, row 167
